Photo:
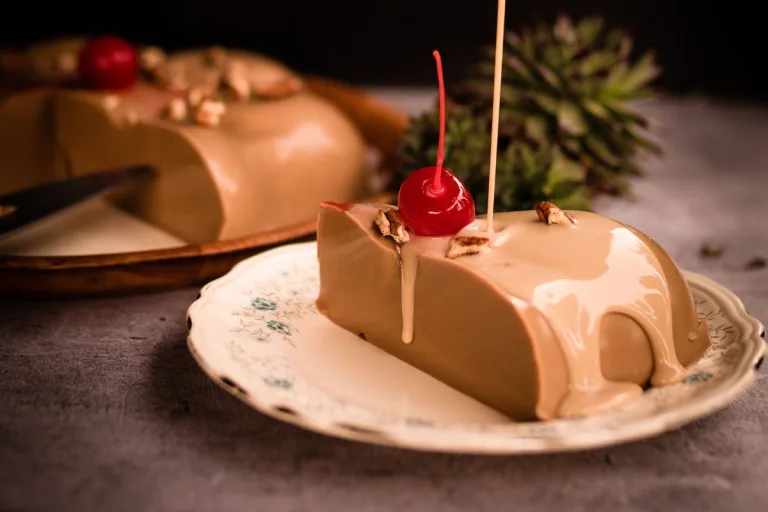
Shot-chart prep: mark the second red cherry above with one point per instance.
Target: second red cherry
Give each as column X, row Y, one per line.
column 108, row 63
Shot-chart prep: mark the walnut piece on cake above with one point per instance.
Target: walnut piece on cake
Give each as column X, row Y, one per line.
column 390, row 224
column 177, row 110
column 196, row 107
column 467, row 246
column 235, row 79
column 209, row 111
column 549, row 213
column 151, row 58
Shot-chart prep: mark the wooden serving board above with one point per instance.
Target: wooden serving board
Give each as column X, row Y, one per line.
column 95, row 249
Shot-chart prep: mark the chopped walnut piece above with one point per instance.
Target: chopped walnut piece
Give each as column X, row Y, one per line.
column 209, row 112
column 279, row 89
column 382, row 222
column 466, row 246
column 177, row 110
column 549, row 213
column 710, row 251
column 390, row 224
column 236, row 81
column 195, row 96
column 151, row 58
column 397, row 226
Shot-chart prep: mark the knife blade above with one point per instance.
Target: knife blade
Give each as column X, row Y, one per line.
column 22, row 209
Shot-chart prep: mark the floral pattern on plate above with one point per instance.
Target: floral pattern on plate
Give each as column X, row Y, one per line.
column 256, row 331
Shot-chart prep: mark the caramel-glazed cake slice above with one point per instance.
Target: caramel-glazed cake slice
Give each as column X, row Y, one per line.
column 239, row 144
column 560, row 314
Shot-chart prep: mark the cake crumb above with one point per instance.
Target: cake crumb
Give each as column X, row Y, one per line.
column 710, row 251
column 756, row 263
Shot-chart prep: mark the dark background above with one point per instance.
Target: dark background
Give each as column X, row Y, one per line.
column 718, row 49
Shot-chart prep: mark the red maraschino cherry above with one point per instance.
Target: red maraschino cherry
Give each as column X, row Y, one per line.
column 108, row 63
column 433, row 201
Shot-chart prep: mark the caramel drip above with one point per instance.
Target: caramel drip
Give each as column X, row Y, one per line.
column 631, row 283
column 574, row 275
column 410, row 253
column 409, row 264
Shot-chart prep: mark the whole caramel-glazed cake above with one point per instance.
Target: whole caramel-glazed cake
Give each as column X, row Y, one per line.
column 240, row 145
column 559, row 314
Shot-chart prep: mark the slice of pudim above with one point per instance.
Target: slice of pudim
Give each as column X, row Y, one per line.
column 241, row 145
column 557, row 314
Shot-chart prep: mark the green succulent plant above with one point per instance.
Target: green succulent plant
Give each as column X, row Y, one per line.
column 566, row 128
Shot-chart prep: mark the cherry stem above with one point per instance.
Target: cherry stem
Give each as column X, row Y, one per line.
column 437, row 185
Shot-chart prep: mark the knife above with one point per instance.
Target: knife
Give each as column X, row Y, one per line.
column 21, row 209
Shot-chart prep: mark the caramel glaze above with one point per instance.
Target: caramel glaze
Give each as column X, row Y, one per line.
column 554, row 321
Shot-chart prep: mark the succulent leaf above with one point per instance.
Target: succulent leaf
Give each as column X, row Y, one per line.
column 566, row 132
column 589, row 29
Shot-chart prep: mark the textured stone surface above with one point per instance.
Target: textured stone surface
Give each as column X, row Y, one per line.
column 103, row 409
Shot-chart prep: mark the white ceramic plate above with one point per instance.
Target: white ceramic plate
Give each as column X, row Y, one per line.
column 256, row 333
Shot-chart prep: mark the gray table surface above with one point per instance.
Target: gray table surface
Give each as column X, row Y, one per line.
column 103, row 409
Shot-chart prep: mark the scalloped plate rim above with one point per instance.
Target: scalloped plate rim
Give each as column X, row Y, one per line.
column 652, row 426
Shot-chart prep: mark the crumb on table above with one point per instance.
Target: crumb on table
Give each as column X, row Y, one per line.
column 710, row 251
